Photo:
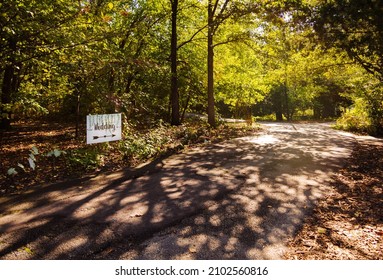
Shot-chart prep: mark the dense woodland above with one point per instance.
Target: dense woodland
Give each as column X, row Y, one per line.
column 156, row 60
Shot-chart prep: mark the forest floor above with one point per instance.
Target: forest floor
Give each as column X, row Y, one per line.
column 346, row 224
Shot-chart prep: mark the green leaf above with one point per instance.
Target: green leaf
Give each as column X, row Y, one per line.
column 32, row 157
column 322, row 230
column 34, row 150
column 32, row 163
column 11, row 171
column 56, row 153
column 21, row 166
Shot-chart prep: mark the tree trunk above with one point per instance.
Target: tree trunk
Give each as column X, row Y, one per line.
column 77, row 133
column 286, row 97
column 5, row 122
column 174, row 96
column 186, row 106
column 210, row 67
column 9, row 86
column 278, row 103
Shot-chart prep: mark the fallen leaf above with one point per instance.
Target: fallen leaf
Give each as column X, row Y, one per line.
column 321, row 230
column 26, row 249
column 192, row 249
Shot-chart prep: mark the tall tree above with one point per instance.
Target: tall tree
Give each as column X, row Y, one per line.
column 220, row 12
column 174, row 96
column 210, row 60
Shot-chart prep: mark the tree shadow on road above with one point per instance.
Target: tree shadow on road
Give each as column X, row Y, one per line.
column 236, row 200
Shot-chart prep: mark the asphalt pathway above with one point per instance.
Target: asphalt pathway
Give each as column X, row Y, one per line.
column 241, row 199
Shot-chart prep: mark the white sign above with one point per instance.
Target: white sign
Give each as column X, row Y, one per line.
column 103, row 128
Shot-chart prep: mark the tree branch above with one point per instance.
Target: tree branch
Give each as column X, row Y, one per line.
column 221, row 17
column 243, row 37
column 192, row 37
column 331, row 65
column 215, row 6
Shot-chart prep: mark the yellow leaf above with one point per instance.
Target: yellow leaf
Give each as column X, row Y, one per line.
column 110, row 6
column 321, row 230
column 28, row 250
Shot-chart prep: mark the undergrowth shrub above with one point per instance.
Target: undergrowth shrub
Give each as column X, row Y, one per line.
column 88, row 158
column 356, row 119
column 146, row 144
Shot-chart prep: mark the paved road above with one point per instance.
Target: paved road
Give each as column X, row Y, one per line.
column 241, row 199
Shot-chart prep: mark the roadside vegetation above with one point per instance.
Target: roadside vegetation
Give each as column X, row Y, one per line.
column 36, row 153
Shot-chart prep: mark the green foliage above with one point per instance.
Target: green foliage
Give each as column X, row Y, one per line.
column 31, row 33
column 32, row 160
column 12, row 171
column 195, row 134
column 356, row 119
column 366, row 113
column 136, row 148
column 28, row 108
column 140, row 146
column 354, row 26
column 60, row 58
column 56, row 153
column 240, row 82
column 83, row 159
column 270, row 117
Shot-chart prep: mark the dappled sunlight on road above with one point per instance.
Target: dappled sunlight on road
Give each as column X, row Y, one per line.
column 241, row 199
column 263, row 139
column 286, row 171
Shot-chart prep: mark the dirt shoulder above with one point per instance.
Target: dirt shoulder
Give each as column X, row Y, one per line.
column 348, row 222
